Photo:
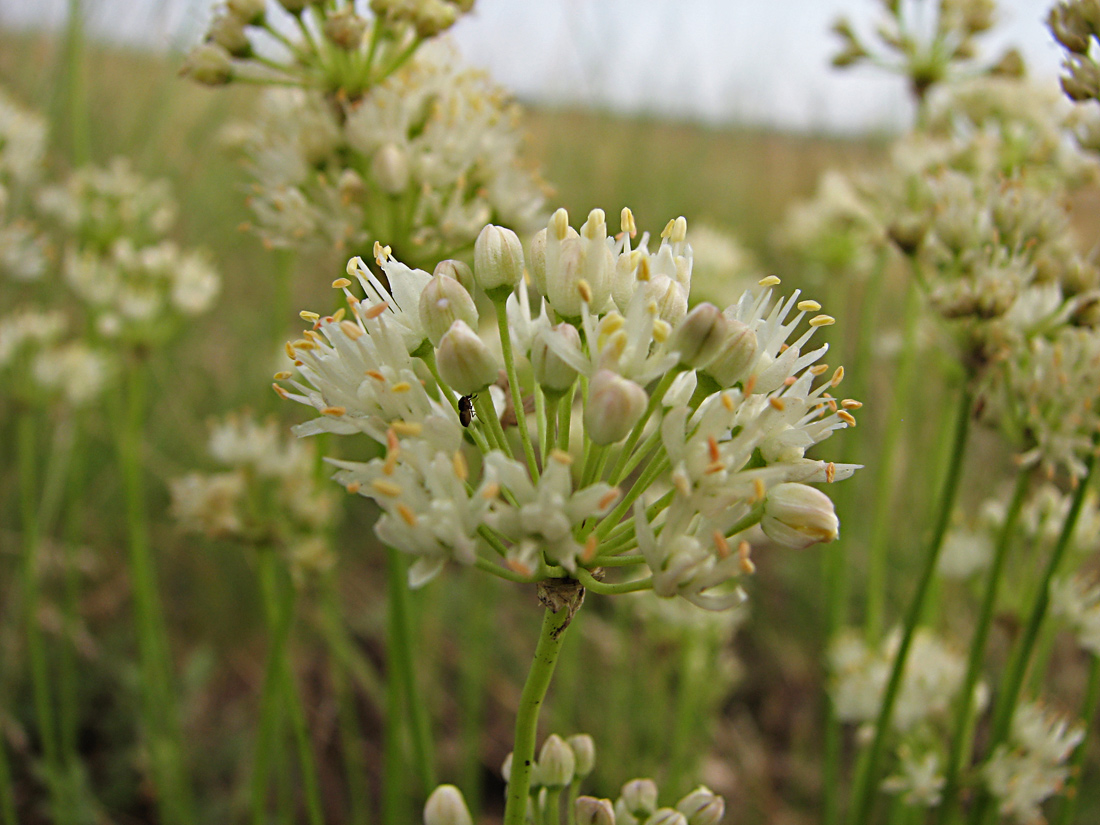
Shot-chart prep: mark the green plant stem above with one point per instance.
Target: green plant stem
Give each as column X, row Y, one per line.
column 160, row 708
column 527, row 718
column 565, row 417
column 885, row 514
column 866, row 786
column 1077, row 760
column 7, row 795
column 619, row 470
column 36, row 651
column 959, row 738
column 514, row 385
column 596, row 586
column 1005, row 706
column 686, row 706
column 401, row 653
column 475, row 663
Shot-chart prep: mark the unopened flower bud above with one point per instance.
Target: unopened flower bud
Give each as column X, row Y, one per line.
column 537, row 258
column 639, row 797
column 443, row 302
column 670, row 296
column 699, row 337
column 702, row 807
column 1069, row 27
column 592, row 811
column 615, row 404
column 294, row 7
column 666, row 816
column 797, row 516
column 464, row 360
column 556, row 762
column 250, row 12
column 563, row 282
column 498, row 259
column 506, row 769
column 345, row 29
column 552, row 373
column 432, row 17
column 350, row 185
column 209, row 64
column 390, row 167
column 227, row 31
column 584, row 749
column 459, row 270
column 446, row 806
column 735, row 357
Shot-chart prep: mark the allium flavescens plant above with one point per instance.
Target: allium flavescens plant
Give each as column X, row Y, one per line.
column 596, row 434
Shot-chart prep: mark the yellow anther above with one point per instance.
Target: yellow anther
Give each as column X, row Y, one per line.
column 769, row 280
column 491, row 491
column 727, row 402
column 407, row 515
column 335, row 411
column 374, row 311
column 643, row 268
column 279, row 391
column 661, row 330
column 747, row 566
column 819, row 369
column 838, row 376
column 282, row 375
column 720, row 544
column 777, row 404
column 759, row 490
column 851, row 404
column 386, row 488
column 561, row 456
column 338, row 316
column 808, row 306
column 376, row 375
column 847, row 418
column 559, row 224
column 306, row 315
column 461, row 468
column 830, row 472
column 608, row 498
column 351, row 330
column 290, row 351
column 626, row 221
column 354, row 487
column 667, row 231
column 341, row 283
column 401, row 386
column 413, row 428
column 590, row 545
column 585, row 290
column 822, row 321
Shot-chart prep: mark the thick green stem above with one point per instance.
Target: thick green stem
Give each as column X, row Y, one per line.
column 401, row 659
column 866, row 786
column 959, row 739
column 527, row 719
column 1077, row 760
column 886, row 461
column 1015, row 672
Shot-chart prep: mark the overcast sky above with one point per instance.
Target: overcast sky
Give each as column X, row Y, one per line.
column 754, row 61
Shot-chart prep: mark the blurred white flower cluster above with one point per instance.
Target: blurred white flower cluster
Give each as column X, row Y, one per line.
column 383, row 132
column 267, row 497
column 609, row 420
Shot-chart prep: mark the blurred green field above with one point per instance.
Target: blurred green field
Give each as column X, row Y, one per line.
column 764, row 751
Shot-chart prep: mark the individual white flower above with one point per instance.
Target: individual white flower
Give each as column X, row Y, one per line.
column 965, row 552
column 26, row 330
column 23, row 251
column 22, row 142
column 1078, row 602
column 919, row 779
column 208, row 503
column 78, row 372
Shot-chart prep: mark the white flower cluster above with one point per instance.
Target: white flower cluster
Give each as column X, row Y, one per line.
column 429, row 156
column 1032, row 766
column 267, row 497
column 23, row 248
column 624, row 421
column 1077, row 602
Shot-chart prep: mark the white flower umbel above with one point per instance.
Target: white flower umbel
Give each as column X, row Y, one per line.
column 615, row 450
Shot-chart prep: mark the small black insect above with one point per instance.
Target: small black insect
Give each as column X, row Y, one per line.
column 466, row 409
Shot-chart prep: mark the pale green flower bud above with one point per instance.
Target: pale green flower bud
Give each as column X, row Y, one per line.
column 592, row 811
column 350, row 185
column 556, row 762
column 639, row 797
column 537, row 257
column 433, row 16
column 390, row 167
column 345, row 29
column 584, row 749
column 209, row 64
column 797, row 516
column 736, row 356
column 446, row 806
column 250, row 12
column 498, row 259
column 702, row 807
column 295, row 7
column 666, row 816
column 1069, row 27
column 615, row 404
column 459, row 270
column 551, row 372
column 464, row 360
column 443, row 302
column 227, row 31
column 700, row 336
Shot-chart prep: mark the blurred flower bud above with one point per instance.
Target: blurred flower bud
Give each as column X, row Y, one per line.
column 639, row 797
column 666, row 816
column 615, row 404
column 797, row 516
column 1011, row 64
column 498, row 259
column 459, row 270
column 443, row 302
column 432, row 17
column 592, row 811
column 464, row 360
column 209, row 64
column 390, row 167
column 227, row 31
column 736, row 355
column 551, row 372
column 350, row 185
column 584, row 749
column 345, row 29
column 295, row 7
column 700, row 336
column 702, row 807
column 250, row 12
column 447, row 807
column 1069, row 27
column 556, row 762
